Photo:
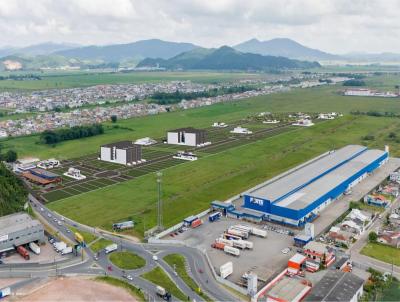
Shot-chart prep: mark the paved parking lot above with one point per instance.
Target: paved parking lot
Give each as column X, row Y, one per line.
column 47, row 254
column 265, row 259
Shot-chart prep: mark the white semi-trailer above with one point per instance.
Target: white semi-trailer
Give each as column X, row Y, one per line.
column 231, row 250
column 111, row 248
column 239, row 244
column 224, row 241
column 239, row 233
column 226, row 269
column 34, row 248
column 259, row 232
column 66, row 251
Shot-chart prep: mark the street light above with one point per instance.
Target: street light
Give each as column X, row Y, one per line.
column 159, row 204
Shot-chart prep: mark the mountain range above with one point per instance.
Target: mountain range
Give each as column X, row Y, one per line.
column 175, row 54
column 225, row 58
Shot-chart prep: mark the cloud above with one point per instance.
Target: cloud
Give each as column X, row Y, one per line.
column 336, row 26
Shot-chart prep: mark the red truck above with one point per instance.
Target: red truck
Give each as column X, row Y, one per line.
column 196, row 223
column 23, row 252
column 218, row 245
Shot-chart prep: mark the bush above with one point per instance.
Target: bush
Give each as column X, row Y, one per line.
column 372, row 237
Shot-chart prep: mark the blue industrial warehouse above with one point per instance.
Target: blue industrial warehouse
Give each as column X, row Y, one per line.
column 297, row 196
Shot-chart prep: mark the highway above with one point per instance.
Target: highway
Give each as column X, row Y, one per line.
column 199, row 268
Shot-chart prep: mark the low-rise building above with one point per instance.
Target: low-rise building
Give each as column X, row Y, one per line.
column 19, row 229
column 318, row 253
column 187, row 136
column 124, row 152
column 337, row 286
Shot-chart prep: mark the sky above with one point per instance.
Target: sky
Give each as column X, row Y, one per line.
column 337, row 26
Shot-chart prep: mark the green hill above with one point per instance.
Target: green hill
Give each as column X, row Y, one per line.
column 12, row 193
column 226, row 58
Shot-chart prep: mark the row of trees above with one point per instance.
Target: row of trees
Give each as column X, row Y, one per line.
column 20, row 77
column 12, row 192
column 165, row 98
column 55, row 136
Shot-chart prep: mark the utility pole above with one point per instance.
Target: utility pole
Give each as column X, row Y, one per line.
column 159, row 204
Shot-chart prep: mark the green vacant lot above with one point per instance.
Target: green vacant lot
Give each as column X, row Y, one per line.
column 127, row 260
column 179, row 263
column 189, row 188
column 382, row 252
column 159, row 277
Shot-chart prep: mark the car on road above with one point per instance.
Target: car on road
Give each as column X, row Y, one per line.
column 109, row 268
column 41, row 209
column 155, row 258
column 95, row 257
column 59, row 223
column 285, row 250
column 129, row 277
column 49, row 215
column 62, row 219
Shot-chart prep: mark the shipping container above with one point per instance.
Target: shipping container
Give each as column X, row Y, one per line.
column 34, row 248
column 214, row 216
column 196, row 223
column 231, row 250
column 59, row 246
column 23, row 252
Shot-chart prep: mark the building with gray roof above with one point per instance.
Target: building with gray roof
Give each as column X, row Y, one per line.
column 297, row 197
column 19, row 229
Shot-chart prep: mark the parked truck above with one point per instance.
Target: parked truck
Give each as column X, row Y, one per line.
column 224, row 241
column 196, row 223
column 243, row 235
column 59, row 246
column 239, row 244
column 23, row 252
column 244, row 231
column 231, row 250
column 111, row 248
column 231, row 237
column 5, row 292
column 218, row 245
column 214, row 216
column 249, row 244
column 34, row 248
column 67, row 250
column 161, row 292
column 259, row 232
column 226, row 269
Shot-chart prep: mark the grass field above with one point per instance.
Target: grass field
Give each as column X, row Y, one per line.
column 100, row 244
column 159, row 277
column 178, row 262
column 127, row 260
column 392, row 293
column 324, row 99
column 190, row 188
column 88, row 237
column 82, row 78
column 382, row 252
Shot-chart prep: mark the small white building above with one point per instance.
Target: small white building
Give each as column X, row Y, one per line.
column 219, row 125
column 124, row 153
column 271, row 122
column 145, row 141
column 241, row 130
column 303, row 123
column 75, row 174
column 48, row 164
column 187, row 137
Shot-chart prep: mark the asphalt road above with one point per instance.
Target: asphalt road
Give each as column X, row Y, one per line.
column 199, row 269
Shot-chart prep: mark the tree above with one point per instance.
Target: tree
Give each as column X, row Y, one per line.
column 114, row 118
column 372, row 236
column 10, row 156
